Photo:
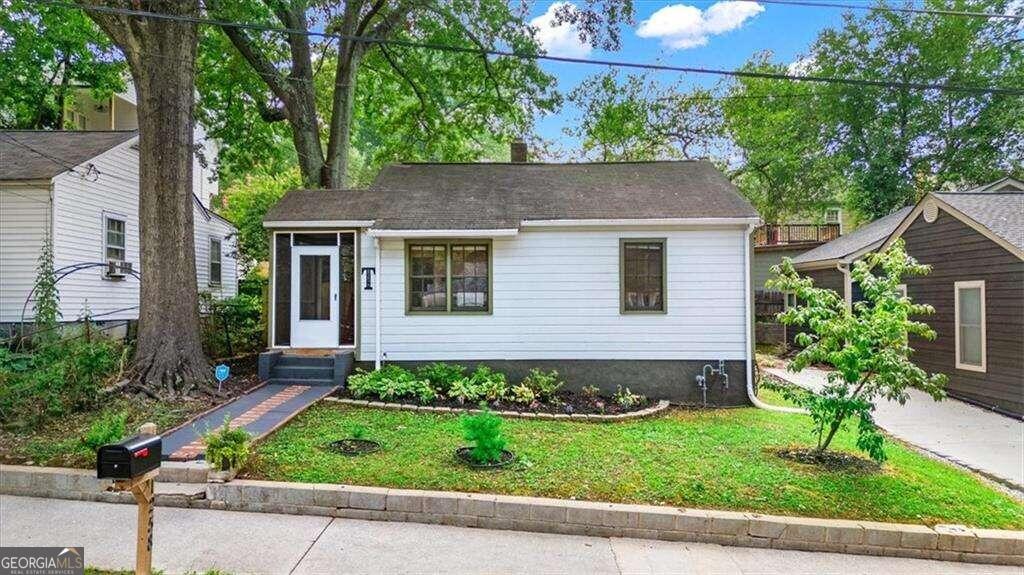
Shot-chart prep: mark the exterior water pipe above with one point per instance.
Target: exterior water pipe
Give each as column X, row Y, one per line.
column 750, row 335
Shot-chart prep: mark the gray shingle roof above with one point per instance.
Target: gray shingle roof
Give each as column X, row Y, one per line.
column 864, row 236
column 500, row 196
column 41, row 155
column 1002, row 212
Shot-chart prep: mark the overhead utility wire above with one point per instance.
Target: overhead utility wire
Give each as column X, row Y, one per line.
column 905, row 10
column 546, row 57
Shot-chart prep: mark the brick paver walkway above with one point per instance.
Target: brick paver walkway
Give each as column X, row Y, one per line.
column 259, row 412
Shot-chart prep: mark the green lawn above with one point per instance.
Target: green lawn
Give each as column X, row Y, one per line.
column 719, row 459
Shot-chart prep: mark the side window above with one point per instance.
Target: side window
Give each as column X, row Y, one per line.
column 113, row 239
column 448, row 277
column 970, row 325
column 215, row 262
column 642, row 272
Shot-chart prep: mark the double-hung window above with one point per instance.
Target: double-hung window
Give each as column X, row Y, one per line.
column 969, row 312
column 215, row 262
column 113, row 239
column 642, row 267
column 448, row 277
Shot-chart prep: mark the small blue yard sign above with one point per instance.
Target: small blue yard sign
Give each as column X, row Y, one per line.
column 221, row 372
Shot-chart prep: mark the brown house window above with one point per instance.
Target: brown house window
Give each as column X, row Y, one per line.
column 448, row 277
column 642, row 266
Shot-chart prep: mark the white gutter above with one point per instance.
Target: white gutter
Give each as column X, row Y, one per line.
column 641, row 222
column 376, row 304
column 747, row 287
column 319, row 224
column 489, row 233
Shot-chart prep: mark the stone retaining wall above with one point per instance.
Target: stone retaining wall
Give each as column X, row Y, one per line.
column 942, row 542
column 581, row 417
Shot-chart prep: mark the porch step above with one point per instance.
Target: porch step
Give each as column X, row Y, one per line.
column 291, row 360
column 301, row 369
column 309, row 382
column 302, row 372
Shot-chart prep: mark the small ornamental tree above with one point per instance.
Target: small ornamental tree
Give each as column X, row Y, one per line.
column 866, row 345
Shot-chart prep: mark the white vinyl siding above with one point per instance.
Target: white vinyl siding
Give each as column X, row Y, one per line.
column 81, row 206
column 556, row 295
column 205, row 229
column 24, row 223
column 970, row 325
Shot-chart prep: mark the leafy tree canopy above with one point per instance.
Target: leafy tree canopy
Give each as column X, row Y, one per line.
column 45, row 52
column 245, row 203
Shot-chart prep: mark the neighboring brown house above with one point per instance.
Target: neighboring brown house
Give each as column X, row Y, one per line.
column 974, row 241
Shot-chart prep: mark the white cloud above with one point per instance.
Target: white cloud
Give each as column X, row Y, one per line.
column 680, row 26
column 802, row 66
column 560, row 39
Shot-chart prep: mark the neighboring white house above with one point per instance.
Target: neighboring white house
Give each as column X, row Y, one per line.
column 615, row 273
column 82, row 188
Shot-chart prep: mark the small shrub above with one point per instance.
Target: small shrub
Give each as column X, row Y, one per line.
column 544, row 385
column 441, row 375
column 484, row 430
column 227, row 448
column 590, row 392
column 465, row 391
column 109, row 428
column 233, row 325
column 522, row 394
column 492, row 384
column 357, row 432
column 389, row 383
column 627, row 399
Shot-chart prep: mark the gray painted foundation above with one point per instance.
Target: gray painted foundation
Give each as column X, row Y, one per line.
column 674, row 380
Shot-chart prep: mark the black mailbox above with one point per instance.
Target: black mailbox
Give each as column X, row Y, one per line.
column 130, row 458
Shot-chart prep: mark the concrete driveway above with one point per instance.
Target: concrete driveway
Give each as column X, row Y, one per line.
column 195, row 540
column 976, row 438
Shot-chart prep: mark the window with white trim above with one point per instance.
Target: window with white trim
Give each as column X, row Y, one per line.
column 970, row 325
column 113, row 239
column 215, row 262
column 833, row 215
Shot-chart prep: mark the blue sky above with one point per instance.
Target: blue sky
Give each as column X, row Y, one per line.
column 731, row 33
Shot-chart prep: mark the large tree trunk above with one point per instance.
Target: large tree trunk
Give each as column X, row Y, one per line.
column 161, row 55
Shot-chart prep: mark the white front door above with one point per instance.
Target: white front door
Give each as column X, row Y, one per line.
column 314, row 296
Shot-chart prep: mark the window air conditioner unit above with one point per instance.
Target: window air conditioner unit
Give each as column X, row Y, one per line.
column 117, row 269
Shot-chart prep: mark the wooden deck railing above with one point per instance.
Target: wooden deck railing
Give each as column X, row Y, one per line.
column 785, row 234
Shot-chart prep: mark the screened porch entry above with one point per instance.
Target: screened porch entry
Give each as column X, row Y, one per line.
column 314, row 289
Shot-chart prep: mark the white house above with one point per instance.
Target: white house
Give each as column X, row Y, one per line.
column 82, row 189
column 612, row 273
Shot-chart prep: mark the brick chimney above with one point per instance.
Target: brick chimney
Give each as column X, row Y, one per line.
column 519, row 151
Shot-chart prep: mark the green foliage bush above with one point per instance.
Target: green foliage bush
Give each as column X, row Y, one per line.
column 544, row 385
column 238, row 318
column 522, row 394
column 484, row 430
column 58, row 378
column 627, row 399
column 389, row 383
column 227, row 447
column 441, row 375
column 492, row 385
column 108, row 428
column 465, row 391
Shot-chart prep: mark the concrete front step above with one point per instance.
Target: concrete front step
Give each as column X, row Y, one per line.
column 292, row 381
column 289, row 360
column 301, row 372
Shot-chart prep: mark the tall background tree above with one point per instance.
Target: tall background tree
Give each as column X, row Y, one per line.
column 425, row 103
column 45, row 53
column 169, row 357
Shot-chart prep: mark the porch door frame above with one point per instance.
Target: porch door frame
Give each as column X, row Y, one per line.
column 356, row 285
column 314, row 333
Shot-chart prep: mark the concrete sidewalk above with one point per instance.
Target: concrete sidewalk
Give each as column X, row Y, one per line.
column 197, row 540
column 976, row 438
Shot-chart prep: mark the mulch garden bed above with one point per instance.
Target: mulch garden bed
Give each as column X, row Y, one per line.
column 830, row 460
column 568, row 402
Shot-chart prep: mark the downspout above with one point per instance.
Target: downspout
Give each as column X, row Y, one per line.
column 749, row 313
column 376, row 304
column 844, row 269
